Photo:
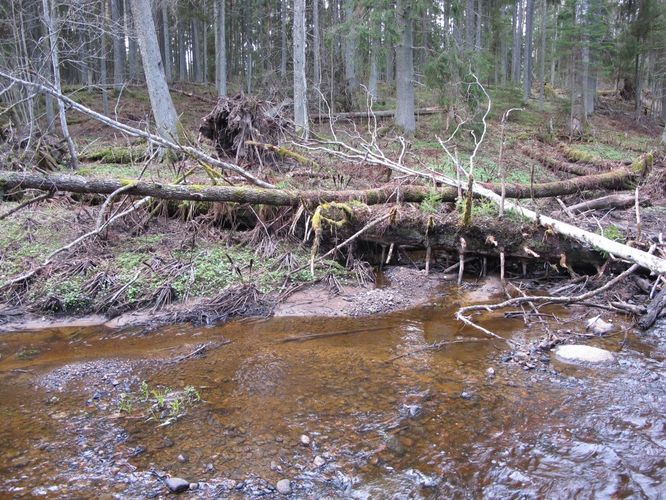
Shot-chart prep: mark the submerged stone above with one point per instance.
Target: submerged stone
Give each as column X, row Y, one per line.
column 598, row 326
column 583, row 354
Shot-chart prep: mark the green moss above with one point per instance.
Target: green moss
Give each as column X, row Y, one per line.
column 116, row 154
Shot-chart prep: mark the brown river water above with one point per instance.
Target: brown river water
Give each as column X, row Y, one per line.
column 430, row 424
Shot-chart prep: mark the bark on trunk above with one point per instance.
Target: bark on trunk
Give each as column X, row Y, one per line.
column 283, row 39
column 245, row 194
column 300, row 83
column 517, row 41
column 53, row 43
column 404, row 115
column 158, row 91
column 527, row 77
column 118, row 44
column 167, row 63
column 350, row 50
column 220, row 48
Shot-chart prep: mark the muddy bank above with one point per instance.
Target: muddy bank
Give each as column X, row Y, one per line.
column 401, row 288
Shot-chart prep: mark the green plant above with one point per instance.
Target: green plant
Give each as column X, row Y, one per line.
column 192, row 394
column 175, row 407
column 160, row 396
column 145, row 390
column 431, row 203
column 125, row 403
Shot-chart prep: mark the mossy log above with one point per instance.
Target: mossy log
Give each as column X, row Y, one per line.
column 557, row 165
column 619, row 179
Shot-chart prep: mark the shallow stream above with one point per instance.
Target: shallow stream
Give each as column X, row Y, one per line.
column 341, row 415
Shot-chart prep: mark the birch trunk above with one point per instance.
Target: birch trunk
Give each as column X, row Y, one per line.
column 300, row 84
column 49, row 13
column 404, row 115
column 220, row 48
column 158, row 90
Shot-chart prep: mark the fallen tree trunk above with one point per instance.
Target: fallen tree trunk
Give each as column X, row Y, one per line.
column 389, row 113
column 411, row 229
column 245, row 194
column 620, row 200
column 557, row 165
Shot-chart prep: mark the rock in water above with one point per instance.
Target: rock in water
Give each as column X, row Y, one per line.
column 598, row 326
column 284, row 486
column 177, row 485
column 583, row 354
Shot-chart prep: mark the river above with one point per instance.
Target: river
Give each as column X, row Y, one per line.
column 367, row 414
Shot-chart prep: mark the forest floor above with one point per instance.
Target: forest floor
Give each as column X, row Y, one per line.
column 179, row 257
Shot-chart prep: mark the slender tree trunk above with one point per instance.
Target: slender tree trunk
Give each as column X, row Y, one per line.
column 300, row 83
column 103, row 77
column 118, row 37
column 160, row 100
column 205, row 52
column 220, row 48
column 49, row 14
column 517, row 41
column 469, row 24
column 350, row 43
column 477, row 16
column 372, row 83
column 542, row 56
column 404, row 115
column 283, row 38
column 168, row 61
column 527, row 77
column 197, row 57
column 132, row 47
column 46, row 69
column 182, row 51
column 316, row 46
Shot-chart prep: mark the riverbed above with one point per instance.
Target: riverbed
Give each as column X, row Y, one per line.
column 339, row 406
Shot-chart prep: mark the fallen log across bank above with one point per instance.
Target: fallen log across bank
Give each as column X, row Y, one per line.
column 619, row 179
column 411, row 229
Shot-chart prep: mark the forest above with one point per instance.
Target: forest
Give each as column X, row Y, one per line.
column 205, row 202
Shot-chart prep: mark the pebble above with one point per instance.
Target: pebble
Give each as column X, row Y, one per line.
column 490, row 372
column 318, row 461
column 283, row 486
column 305, row 440
column 465, row 395
column 182, row 458
column 177, row 485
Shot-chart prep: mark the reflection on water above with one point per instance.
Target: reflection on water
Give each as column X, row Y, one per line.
column 385, row 416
